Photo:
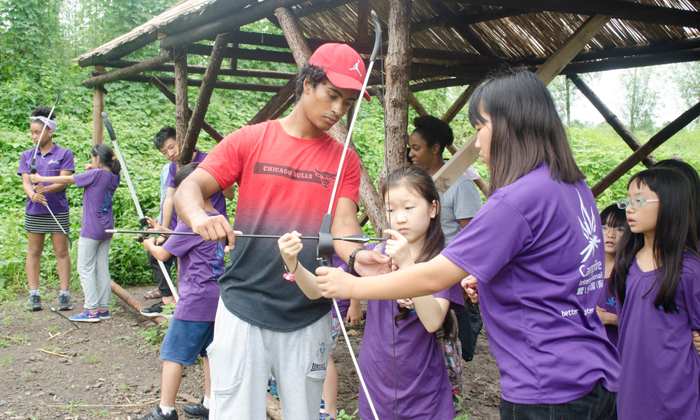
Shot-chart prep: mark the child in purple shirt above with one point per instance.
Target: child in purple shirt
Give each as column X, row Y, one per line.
column 614, row 225
column 99, row 182
column 656, row 280
column 420, row 387
column 191, row 329
column 535, row 255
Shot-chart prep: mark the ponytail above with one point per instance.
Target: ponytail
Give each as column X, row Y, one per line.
column 107, row 157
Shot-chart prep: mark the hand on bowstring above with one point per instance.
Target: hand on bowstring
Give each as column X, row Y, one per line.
column 290, row 246
column 155, row 226
column 397, row 248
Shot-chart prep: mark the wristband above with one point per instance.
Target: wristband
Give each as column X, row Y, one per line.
column 351, row 260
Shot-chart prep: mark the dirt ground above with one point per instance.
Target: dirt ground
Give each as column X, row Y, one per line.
column 50, row 369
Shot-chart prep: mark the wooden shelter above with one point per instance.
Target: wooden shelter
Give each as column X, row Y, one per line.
column 428, row 44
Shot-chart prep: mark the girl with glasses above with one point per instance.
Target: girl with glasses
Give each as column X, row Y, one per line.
column 614, row 224
column 656, row 282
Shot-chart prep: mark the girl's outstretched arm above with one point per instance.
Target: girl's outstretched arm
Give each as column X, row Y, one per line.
column 67, row 179
column 431, row 311
column 290, row 246
column 157, row 251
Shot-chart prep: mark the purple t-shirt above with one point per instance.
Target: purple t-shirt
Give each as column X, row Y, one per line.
column 535, row 249
column 343, row 304
column 51, row 164
column 201, row 265
column 660, row 377
column 218, row 201
column 609, row 303
column 99, row 185
column 423, row 385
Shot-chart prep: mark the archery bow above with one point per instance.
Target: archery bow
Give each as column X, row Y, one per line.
column 33, row 170
column 142, row 219
column 325, row 247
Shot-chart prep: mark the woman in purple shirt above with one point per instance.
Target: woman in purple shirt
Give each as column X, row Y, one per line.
column 51, row 160
column 535, row 249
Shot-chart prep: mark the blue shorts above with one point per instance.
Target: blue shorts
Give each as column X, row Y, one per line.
column 185, row 340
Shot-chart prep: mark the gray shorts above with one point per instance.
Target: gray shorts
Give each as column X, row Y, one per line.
column 242, row 356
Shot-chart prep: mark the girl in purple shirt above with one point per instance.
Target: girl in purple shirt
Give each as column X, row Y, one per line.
column 614, row 225
column 656, row 280
column 534, row 251
column 99, row 183
column 400, row 357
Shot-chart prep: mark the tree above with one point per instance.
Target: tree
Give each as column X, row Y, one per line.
column 640, row 98
column 687, row 78
column 565, row 93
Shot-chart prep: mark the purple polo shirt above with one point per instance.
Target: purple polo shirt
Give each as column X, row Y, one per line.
column 660, row 377
column 51, row 164
column 218, row 201
column 201, row 265
column 609, row 302
column 536, row 251
column 99, row 185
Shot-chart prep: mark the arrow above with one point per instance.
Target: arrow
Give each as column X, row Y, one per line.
column 357, row 239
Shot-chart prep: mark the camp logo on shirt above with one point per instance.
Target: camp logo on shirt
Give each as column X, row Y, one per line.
column 611, row 302
column 107, row 205
column 53, row 161
column 588, row 227
column 316, row 176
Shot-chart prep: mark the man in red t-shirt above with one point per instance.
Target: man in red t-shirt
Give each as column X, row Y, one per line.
column 285, row 171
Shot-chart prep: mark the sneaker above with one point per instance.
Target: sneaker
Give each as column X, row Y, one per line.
column 325, row 416
column 323, row 407
column 154, row 311
column 64, row 303
column 86, row 316
column 104, row 314
column 196, row 411
column 157, row 414
column 273, row 388
column 34, row 303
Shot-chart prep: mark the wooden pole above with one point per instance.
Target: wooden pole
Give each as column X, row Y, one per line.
column 396, row 97
column 205, row 92
column 142, row 66
column 657, row 140
column 468, row 153
column 129, row 300
column 98, row 106
column 371, row 199
column 171, row 96
column 278, row 104
column 181, row 102
column 416, row 105
column 611, row 118
column 362, row 21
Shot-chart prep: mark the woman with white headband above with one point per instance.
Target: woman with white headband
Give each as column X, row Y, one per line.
column 51, row 160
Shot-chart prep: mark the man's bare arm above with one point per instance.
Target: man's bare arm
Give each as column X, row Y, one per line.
column 345, row 224
column 189, row 202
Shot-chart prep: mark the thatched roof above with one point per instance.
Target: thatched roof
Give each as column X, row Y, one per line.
column 646, row 32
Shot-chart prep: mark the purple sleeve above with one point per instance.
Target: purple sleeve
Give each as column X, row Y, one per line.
column 23, row 164
column 691, row 285
column 67, row 164
column 170, row 180
column 494, row 236
column 85, row 179
column 179, row 245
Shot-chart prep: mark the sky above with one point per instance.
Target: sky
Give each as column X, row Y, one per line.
column 609, row 89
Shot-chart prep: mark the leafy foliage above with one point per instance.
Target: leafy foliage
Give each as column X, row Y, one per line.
column 641, row 98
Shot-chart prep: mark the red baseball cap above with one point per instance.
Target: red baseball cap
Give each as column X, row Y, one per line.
column 343, row 66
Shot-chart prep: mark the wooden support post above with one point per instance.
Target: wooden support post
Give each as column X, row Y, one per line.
column 234, row 60
column 171, row 96
column 181, row 103
column 142, row 66
column 468, row 153
column 129, row 300
column 657, row 140
column 98, row 106
column 611, row 118
column 278, row 104
column 200, row 108
column 398, row 69
column 368, row 194
column 362, row 21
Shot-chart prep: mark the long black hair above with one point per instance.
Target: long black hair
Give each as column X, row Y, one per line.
column 418, row 181
column 184, row 172
column 434, row 131
column 613, row 217
column 107, row 157
column 694, row 179
column 526, row 129
column 675, row 234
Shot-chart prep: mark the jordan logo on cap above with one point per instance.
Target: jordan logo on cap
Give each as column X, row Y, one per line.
column 356, row 67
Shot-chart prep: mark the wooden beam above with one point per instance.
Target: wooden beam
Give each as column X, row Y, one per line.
column 636, row 61
column 438, row 84
column 182, row 117
column 171, row 96
column 462, row 29
column 362, row 21
column 205, row 92
column 657, row 140
column 369, row 196
column 142, row 66
column 219, row 85
column 572, row 46
column 611, row 118
column 278, row 104
column 98, row 106
column 458, row 105
column 251, row 14
column 416, row 105
column 468, row 153
column 170, row 68
column 624, row 10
